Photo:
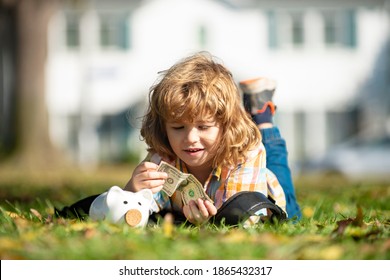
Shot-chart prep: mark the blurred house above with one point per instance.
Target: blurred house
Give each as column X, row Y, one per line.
column 329, row 58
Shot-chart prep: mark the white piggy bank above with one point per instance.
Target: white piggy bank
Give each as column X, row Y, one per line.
column 117, row 206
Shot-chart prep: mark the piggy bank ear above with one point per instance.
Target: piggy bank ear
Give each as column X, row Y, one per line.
column 147, row 194
column 113, row 195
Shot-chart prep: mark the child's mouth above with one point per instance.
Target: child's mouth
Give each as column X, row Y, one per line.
column 193, row 151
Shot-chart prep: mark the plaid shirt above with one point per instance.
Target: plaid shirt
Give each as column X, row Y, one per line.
column 224, row 182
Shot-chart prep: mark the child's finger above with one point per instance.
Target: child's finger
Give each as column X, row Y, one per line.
column 151, row 175
column 156, row 189
column 202, row 213
column 187, row 213
column 202, row 208
column 212, row 210
column 147, row 165
column 195, row 213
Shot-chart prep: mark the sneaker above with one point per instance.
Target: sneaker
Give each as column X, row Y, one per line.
column 258, row 94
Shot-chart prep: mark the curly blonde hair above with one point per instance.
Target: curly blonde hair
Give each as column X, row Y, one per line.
column 194, row 86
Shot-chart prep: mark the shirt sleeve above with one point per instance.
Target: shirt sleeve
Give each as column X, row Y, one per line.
column 153, row 157
column 162, row 200
column 275, row 190
column 252, row 175
column 249, row 175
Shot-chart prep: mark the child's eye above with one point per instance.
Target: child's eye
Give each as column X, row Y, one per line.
column 177, row 127
column 206, row 125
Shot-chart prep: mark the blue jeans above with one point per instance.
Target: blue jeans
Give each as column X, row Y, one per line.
column 277, row 162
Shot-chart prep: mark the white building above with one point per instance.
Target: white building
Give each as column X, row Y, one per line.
column 104, row 56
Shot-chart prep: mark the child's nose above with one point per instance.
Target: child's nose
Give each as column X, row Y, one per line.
column 193, row 135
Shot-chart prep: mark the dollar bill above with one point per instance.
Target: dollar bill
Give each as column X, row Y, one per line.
column 175, row 178
column 193, row 190
column 189, row 187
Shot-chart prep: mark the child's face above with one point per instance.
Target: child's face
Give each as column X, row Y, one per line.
column 195, row 142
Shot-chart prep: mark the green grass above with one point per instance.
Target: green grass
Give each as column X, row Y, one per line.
column 342, row 220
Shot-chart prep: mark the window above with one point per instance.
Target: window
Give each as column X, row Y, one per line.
column 339, row 28
column 286, row 29
column 114, row 31
column 72, row 31
column 297, row 28
column 329, row 28
column 272, row 30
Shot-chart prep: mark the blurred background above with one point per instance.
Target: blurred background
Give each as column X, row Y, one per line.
column 75, row 75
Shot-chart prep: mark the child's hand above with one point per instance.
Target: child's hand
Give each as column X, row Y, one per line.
column 146, row 176
column 199, row 211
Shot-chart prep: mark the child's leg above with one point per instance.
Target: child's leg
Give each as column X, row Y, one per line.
column 258, row 95
column 79, row 209
column 277, row 162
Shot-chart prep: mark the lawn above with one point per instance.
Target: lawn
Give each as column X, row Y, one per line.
column 342, row 220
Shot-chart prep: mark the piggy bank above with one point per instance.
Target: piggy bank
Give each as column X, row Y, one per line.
column 119, row 206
